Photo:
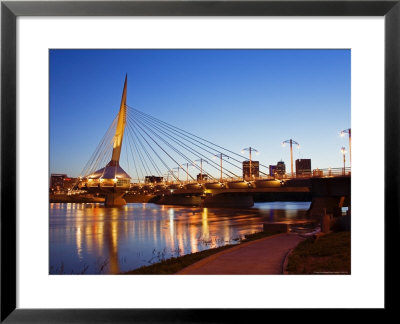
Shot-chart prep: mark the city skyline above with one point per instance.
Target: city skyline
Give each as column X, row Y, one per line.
column 235, row 98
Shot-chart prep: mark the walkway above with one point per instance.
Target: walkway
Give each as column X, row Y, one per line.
column 264, row 256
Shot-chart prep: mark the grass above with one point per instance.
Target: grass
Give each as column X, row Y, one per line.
column 173, row 265
column 329, row 254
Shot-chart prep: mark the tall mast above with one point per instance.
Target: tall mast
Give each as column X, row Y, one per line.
column 119, row 132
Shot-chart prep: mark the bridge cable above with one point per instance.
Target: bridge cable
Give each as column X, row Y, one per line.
column 158, row 145
column 197, row 154
column 162, row 161
column 135, row 145
column 133, row 157
column 174, row 149
column 163, row 150
column 172, row 126
column 157, row 170
column 186, row 139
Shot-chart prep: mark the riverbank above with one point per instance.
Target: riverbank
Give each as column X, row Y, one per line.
column 265, row 253
column 75, row 199
column 327, row 254
column 174, row 265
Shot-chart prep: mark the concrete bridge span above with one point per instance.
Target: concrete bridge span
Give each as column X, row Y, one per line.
column 330, row 193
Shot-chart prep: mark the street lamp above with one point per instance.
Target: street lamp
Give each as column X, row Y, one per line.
column 291, row 142
column 221, row 155
column 348, row 131
column 172, row 173
column 250, row 149
column 166, row 177
column 343, row 150
column 187, row 171
column 178, row 171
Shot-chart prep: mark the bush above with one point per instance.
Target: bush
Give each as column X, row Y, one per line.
column 341, row 223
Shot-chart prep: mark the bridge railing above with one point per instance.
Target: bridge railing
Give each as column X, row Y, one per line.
column 328, row 172
column 331, row 172
column 315, row 173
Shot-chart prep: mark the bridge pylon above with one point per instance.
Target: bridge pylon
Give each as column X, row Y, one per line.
column 112, row 181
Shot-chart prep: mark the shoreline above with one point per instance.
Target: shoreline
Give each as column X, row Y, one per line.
column 176, row 264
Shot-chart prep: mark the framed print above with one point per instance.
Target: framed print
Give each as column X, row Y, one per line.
column 206, row 73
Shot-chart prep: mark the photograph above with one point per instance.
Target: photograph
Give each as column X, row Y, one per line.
column 192, row 161
column 199, row 161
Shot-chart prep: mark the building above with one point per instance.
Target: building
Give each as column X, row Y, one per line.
column 255, row 167
column 202, row 177
column 272, row 170
column 281, row 168
column 69, row 183
column 57, row 181
column 303, row 167
column 61, row 183
column 153, row 179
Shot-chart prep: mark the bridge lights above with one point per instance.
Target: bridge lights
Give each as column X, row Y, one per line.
column 291, row 142
column 343, row 150
column 347, row 131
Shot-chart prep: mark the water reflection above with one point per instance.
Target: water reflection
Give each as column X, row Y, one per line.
column 91, row 239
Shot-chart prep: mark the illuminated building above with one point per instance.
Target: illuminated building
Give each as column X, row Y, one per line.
column 303, row 167
column 57, row 181
column 153, row 179
column 281, row 168
column 201, row 177
column 255, row 166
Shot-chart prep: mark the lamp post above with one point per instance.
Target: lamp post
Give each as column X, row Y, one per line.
column 178, row 171
column 348, row 131
column 291, row 142
column 172, row 173
column 250, row 149
column 166, row 177
column 343, row 150
column 187, row 171
column 220, row 155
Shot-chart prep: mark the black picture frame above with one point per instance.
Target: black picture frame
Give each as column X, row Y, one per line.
column 10, row 10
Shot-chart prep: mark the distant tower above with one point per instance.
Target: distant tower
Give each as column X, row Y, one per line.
column 112, row 181
column 303, row 167
column 280, row 168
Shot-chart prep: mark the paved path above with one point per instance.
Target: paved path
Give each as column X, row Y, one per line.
column 264, row 256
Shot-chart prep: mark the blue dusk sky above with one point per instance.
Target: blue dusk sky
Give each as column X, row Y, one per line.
column 234, row 98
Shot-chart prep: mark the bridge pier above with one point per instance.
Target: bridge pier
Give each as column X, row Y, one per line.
column 180, row 200
column 329, row 196
column 231, row 201
column 114, row 199
column 330, row 205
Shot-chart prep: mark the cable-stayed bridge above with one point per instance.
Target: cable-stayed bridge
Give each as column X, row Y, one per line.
column 175, row 166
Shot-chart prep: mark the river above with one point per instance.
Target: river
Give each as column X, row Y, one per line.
column 92, row 239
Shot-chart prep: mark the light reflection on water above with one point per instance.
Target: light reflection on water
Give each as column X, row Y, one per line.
column 91, row 239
